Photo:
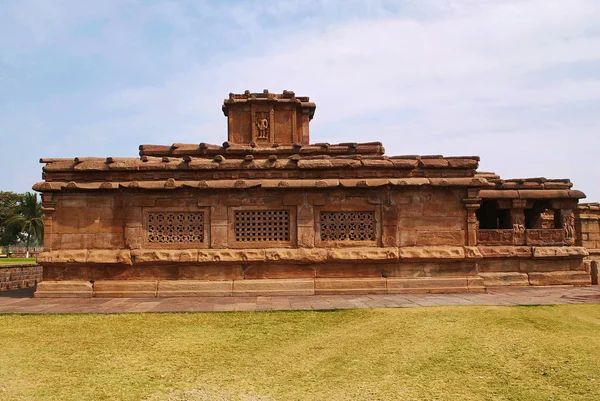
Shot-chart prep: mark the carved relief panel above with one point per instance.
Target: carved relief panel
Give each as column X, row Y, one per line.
column 262, row 124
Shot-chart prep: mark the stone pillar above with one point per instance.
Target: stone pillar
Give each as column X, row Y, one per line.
column 48, row 208
column 472, row 203
column 517, row 218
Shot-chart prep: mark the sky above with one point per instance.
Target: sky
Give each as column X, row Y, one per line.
column 516, row 82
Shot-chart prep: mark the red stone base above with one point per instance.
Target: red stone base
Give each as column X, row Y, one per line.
column 290, row 287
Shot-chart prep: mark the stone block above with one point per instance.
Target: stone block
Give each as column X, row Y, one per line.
column 107, row 256
column 194, row 288
column 306, row 236
column 505, row 251
column 475, row 284
column 218, row 236
column 66, row 256
column 231, row 255
column 350, row 286
column 431, row 253
column 304, row 256
column 497, row 265
column 436, row 285
column 408, row 238
column 577, row 278
column 349, row 270
column 210, row 272
column 559, row 252
column 472, row 252
column 125, row 289
column 164, row 256
column 543, row 265
column 364, row 254
column 432, row 223
column 64, row 289
column 278, row 271
column 441, row 238
column 505, row 279
column 273, row 287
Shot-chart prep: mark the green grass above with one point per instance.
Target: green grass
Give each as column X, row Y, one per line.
column 443, row 353
column 16, row 261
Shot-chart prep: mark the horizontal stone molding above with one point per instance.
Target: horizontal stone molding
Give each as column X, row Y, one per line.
column 577, row 278
column 310, row 256
column 505, row 251
column 350, row 286
column 267, row 255
column 373, row 254
column 64, row 289
column 505, row 279
column 240, row 184
column 559, row 252
column 531, row 194
column 125, row 289
column 421, row 253
column 306, row 286
column 194, row 288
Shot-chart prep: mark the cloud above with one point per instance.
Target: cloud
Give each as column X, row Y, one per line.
column 512, row 81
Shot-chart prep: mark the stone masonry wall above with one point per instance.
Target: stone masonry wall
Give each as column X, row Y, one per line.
column 412, row 217
column 587, row 225
column 19, row 276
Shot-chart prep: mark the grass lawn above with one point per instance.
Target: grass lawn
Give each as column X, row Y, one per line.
column 15, row 261
column 443, row 353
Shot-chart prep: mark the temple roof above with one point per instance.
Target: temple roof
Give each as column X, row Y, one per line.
column 268, row 146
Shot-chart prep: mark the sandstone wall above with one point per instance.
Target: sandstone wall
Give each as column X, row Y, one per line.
column 587, row 223
column 120, row 221
column 19, row 276
column 85, row 221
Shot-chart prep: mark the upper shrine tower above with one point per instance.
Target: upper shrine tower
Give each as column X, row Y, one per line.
column 267, row 118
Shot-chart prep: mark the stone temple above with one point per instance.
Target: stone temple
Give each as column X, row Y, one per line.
column 268, row 213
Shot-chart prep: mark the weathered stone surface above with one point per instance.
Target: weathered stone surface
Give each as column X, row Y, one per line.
column 431, row 253
column 310, row 256
column 268, row 287
column 505, row 279
column 278, row 271
column 167, row 255
column 436, row 285
column 559, row 252
column 125, row 289
column 350, row 286
column 194, row 288
column 64, row 289
column 106, row 256
column 349, row 270
column 203, row 271
column 363, row 254
column 433, row 268
column 231, row 255
column 65, row 256
column 472, row 252
column 505, row 251
column 559, row 278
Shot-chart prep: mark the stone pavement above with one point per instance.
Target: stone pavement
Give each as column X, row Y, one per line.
column 21, row 301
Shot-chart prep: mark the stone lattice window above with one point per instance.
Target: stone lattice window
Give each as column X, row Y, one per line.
column 176, row 228
column 348, row 226
column 262, row 225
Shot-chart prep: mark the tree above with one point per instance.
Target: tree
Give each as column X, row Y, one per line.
column 28, row 219
column 9, row 205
